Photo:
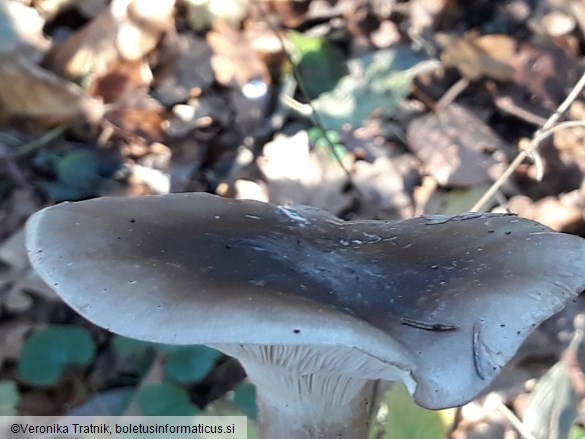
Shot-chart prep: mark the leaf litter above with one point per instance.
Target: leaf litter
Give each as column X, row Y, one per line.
column 425, row 103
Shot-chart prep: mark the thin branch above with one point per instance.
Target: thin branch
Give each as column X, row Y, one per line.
column 547, row 129
column 513, row 419
column 507, row 104
column 454, row 91
column 46, row 138
column 559, row 127
column 315, row 117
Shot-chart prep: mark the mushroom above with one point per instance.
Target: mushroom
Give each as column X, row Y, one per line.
column 315, row 308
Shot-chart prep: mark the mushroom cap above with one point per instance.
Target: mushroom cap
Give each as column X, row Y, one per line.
column 199, row 269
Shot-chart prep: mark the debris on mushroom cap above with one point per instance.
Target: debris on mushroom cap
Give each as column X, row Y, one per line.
column 446, row 300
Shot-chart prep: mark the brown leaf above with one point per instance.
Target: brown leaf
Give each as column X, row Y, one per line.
column 142, row 122
column 184, row 69
column 546, row 72
column 141, row 23
column 570, row 141
column 474, row 57
column 386, row 35
column 127, row 29
column 381, row 186
column 454, row 145
column 233, row 62
column 49, row 9
column 556, row 19
column 27, row 90
column 121, row 79
column 296, row 175
column 291, row 13
column 25, row 31
column 426, row 14
column 251, row 190
column 558, row 214
column 89, row 50
column 12, row 335
column 17, row 276
column 139, row 115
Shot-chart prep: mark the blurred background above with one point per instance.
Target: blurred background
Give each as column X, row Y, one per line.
column 370, row 109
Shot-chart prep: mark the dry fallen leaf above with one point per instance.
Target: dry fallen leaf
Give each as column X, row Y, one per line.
column 233, row 61
column 381, row 186
column 13, row 266
column 265, row 43
column 571, row 141
column 545, row 72
column 557, row 18
column 202, row 13
column 425, row 14
column 29, row 91
column 386, row 35
column 251, row 190
column 17, row 276
column 88, row 8
column 184, row 69
column 292, row 13
column 296, row 175
column 558, row 214
column 12, row 336
column 474, row 57
column 88, row 51
column 127, row 29
column 121, row 80
column 141, row 23
column 454, row 145
column 144, row 121
column 21, row 27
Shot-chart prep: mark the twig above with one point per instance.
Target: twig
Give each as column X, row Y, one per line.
column 524, row 144
column 316, row 119
column 46, row 138
column 541, row 134
column 559, row 127
column 507, row 104
column 454, row 91
column 513, row 419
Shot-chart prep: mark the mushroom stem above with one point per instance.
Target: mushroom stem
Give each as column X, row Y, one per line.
column 298, row 398
column 325, row 407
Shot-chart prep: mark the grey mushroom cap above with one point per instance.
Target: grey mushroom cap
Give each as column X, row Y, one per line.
column 200, row 269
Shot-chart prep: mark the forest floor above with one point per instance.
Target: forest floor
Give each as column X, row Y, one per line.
column 371, row 109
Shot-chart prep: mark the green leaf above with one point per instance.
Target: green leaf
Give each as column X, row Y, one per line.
column 377, row 81
column 319, row 141
column 78, row 174
column 165, row 399
column 188, row 364
column 577, row 433
column 400, row 418
column 78, row 168
column 9, row 397
column 245, row 399
column 320, row 63
column 47, row 352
